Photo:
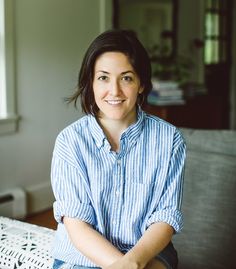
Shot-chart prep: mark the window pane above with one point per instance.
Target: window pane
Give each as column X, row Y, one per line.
column 207, row 52
column 211, row 51
column 212, row 24
column 215, row 51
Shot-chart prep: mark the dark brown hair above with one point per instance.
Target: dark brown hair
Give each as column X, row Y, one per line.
column 124, row 41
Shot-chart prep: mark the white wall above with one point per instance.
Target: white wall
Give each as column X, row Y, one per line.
column 50, row 39
column 190, row 27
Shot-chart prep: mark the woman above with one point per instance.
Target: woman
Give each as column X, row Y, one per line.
column 117, row 173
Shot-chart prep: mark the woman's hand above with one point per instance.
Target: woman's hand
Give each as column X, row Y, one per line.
column 155, row 264
column 124, row 263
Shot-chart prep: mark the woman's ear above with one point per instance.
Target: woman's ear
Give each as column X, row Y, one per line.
column 141, row 89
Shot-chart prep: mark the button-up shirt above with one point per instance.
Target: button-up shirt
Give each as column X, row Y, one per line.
column 119, row 193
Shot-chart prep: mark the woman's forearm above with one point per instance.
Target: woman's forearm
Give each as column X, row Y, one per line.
column 91, row 243
column 153, row 241
column 100, row 251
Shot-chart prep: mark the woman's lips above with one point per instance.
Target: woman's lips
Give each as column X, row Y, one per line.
column 114, row 102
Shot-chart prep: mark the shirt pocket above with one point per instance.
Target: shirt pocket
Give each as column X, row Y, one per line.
column 137, row 197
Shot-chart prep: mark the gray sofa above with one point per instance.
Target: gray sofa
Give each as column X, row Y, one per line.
column 208, row 240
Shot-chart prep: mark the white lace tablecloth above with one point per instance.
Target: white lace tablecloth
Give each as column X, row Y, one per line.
column 24, row 245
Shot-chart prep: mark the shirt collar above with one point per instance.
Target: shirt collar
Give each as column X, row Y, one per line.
column 96, row 131
column 131, row 133
column 134, row 130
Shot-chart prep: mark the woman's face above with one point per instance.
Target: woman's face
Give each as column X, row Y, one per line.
column 116, row 87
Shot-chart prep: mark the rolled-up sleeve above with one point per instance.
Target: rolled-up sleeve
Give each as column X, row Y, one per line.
column 68, row 179
column 168, row 209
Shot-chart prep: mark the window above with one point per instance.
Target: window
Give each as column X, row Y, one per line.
column 8, row 117
column 216, row 31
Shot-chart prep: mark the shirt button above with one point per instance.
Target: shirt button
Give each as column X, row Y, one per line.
column 118, row 162
column 114, row 222
column 117, row 193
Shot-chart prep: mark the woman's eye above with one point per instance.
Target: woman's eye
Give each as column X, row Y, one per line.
column 127, row 78
column 103, row 78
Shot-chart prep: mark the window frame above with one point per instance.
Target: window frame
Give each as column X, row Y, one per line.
column 219, row 39
column 8, row 118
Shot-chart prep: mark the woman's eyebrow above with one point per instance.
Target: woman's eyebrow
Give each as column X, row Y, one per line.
column 122, row 73
column 102, row 71
column 128, row 71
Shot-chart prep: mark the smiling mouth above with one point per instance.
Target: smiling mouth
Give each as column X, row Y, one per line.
column 114, row 102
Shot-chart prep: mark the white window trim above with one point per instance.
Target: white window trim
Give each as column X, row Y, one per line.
column 8, row 117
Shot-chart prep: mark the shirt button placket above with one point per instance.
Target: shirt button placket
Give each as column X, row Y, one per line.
column 118, row 192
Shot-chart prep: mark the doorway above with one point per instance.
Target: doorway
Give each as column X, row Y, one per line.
column 217, row 56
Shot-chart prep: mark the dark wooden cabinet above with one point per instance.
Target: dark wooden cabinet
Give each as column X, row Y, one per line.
column 203, row 112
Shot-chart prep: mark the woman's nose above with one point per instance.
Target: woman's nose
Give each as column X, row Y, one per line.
column 115, row 88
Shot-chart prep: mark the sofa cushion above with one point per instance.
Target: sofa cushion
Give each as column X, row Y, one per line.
column 209, row 203
column 215, row 141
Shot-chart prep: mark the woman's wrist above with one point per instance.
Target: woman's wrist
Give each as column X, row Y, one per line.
column 134, row 260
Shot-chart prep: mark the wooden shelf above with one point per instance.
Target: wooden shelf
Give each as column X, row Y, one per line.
column 203, row 112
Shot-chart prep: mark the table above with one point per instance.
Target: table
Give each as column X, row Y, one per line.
column 24, row 245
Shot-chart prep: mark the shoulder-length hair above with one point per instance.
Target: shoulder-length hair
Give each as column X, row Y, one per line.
column 124, row 41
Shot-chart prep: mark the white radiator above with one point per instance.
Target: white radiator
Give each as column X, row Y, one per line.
column 13, row 203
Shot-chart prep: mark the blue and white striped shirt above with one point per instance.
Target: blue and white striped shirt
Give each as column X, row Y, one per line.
column 119, row 194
